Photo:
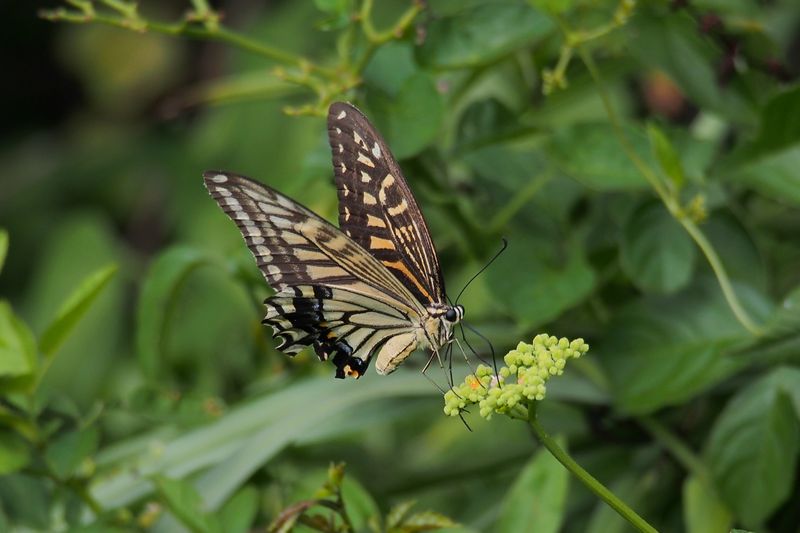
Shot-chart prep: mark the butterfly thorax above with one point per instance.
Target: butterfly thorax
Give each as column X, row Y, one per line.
column 438, row 324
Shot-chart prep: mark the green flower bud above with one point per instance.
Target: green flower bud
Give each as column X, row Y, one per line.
column 522, row 380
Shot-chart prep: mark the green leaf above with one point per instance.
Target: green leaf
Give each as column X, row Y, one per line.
column 17, row 347
column 185, row 503
column 81, row 243
column 773, row 175
column 663, row 350
column 738, row 249
column 591, row 154
column 3, row 247
column 666, row 155
column 786, row 318
column 655, row 251
column 14, row 453
column 398, row 513
column 239, row 512
column 753, row 446
column 410, row 120
column 66, row 453
column 703, row 512
column 73, row 309
column 228, row 451
column 768, row 164
column 27, row 501
column 159, row 290
column 779, row 129
column 481, row 34
column 333, row 6
column 361, row 506
column 424, row 521
column 553, row 6
column 534, row 285
column 391, row 66
column 537, row 499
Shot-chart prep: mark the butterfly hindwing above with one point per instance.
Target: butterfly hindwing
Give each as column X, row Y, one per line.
column 376, row 207
column 340, row 325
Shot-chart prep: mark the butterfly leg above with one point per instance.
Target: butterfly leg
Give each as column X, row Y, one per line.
column 436, row 355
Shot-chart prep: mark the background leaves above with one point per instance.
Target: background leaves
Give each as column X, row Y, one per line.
column 149, row 396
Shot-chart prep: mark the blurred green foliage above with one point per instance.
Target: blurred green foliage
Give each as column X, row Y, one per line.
column 651, row 200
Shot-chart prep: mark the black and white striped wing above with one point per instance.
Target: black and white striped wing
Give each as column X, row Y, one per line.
column 330, row 293
column 376, row 207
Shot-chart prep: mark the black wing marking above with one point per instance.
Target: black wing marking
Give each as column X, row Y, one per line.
column 340, row 325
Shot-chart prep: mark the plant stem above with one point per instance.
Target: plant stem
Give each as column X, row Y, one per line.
column 585, row 477
column 669, row 200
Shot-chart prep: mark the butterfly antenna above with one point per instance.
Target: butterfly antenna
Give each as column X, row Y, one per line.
column 496, row 255
column 488, row 343
column 473, row 350
column 450, row 365
column 464, row 420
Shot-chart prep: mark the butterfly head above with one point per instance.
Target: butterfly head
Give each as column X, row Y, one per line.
column 441, row 319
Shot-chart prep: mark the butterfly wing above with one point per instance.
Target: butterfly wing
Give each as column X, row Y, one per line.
column 376, row 207
column 331, row 293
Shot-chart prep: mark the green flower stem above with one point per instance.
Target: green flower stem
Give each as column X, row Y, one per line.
column 376, row 38
column 669, row 200
column 218, row 33
column 585, row 477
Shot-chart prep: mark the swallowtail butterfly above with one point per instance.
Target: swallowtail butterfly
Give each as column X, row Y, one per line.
column 371, row 287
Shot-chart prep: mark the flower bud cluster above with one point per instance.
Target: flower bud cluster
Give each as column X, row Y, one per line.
column 522, row 379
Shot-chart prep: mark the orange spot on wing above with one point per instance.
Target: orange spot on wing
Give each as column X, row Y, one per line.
column 397, row 265
column 376, row 243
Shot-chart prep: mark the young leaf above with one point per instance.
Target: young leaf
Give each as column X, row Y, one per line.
column 74, row 308
column 238, row 513
column 753, row 445
column 702, row 509
column 663, row 350
column 398, row 513
column 424, row 521
column 360, row 505
column 655, row 251
column 65, row 455
column 536, row 501
column 591, row 154
column 162, row 284
column 667, row 157
column 186, row 504
column 17, row 347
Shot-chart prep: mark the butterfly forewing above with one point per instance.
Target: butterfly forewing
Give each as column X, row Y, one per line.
column 331, row 294
column 376, row 207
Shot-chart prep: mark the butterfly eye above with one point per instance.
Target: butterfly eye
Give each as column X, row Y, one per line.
column 451, row 315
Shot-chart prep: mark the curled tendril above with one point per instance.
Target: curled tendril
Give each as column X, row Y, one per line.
column 523, row 378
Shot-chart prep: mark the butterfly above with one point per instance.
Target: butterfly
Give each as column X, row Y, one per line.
column 371, row 287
